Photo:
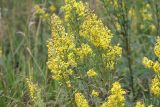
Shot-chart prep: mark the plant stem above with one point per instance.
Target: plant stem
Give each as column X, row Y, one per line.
column 125, row 33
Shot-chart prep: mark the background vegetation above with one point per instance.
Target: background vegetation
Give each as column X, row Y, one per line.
column 135, row 25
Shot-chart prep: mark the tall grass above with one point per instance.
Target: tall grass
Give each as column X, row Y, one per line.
column 23, row 42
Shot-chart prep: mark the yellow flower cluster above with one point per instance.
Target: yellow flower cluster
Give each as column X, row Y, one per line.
column 155, row 86
column 146, row 12
column 94, row 30
column 116, row 98
column 80, row 100
column 118, row 26
column 60, row 50
column 115, row 4
column 91, row 73
column 40, row 12
column 104, row 104
column 152, row 65
column 68, row 84
column 157, row 48
column 150, row 105
column 156, row 67
column 52, row 8
column 111, row 55
column 84, row 50
column 100, row 36
column 57, row 29
column 71, row 59
column 139, row 104
column 32, row 88
column 131, row 12
column 95, row 93
column 147, row 15
column 72, row 9
column 147, row 63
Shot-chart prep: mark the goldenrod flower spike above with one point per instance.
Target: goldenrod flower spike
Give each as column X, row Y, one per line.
column 57, row 28
column 95, row 93
column 116, row 98
column 52, row 8
column 147, row 63
column 94, row 29
column 146, row 14
column 150, row 105
column 155, row 86
column 32, row 88
column 80, row 100
column 157, row 48
column 151, row 65
column 156, row 67
column 91, row 73
column 84, row 50
column 72, row 6
column 68, row 84
column 60, row 50
column 41, row 12
column 139, row 104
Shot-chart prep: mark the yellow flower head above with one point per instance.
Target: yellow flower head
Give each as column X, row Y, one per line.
column 95, row 93
column 71, row 59
column 155, row 86
column 93, row 29
column 152, row 65
column 150, row 105
column 91, row 73
column 146, row 12
column 68, row 84
column 147, row 63
column 116, row 98
column 70, row 1
column 157, row 47
column 139, row 104
column 57, row 77
column 156, row 67
column 84, row 50
column 111, row 56
column 52, row 8
column 71, row 8
column 104, row 104
column 113, row 53
column 57, row 28
column 80, row 100
column 40, row 12
column 32, row 88
column 152, row 27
